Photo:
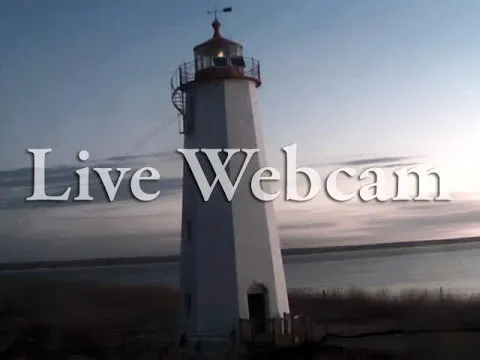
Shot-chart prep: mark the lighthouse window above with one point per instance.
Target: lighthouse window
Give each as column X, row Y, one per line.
column 235, row 50
column 206, row 62
column 198, row 62
column 238, row 61
column 220, row 61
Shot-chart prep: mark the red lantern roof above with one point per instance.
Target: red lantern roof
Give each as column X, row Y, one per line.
column 217, row 40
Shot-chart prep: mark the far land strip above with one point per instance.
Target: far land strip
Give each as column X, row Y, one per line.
column 31, row 265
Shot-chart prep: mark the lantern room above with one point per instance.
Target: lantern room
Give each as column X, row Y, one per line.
column 214, row 60
column 218, row 52
column 219, row 58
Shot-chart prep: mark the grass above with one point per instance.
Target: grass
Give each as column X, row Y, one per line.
column 74, row 318
column 410, row 308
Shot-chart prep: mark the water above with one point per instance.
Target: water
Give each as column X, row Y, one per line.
column 454, row 267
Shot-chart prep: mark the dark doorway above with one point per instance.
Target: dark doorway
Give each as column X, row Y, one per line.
column 258, row 307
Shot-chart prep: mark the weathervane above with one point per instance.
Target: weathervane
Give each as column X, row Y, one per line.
column 216, row 11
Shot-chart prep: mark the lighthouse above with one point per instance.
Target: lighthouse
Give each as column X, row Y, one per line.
column 231, row 264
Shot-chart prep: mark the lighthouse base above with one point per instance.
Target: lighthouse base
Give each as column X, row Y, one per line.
column 290, row 331
column 210, row 348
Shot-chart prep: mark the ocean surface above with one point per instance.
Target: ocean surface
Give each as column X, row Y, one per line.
column 453, row 267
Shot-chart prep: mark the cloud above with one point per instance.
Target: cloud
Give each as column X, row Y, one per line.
column 130, row 228
column 313, row 225
column 400, row 164
column 173, row 155
column 68, row 247
column 17, row 184
column 295, row 241
column 124, row 229
column 166, row 186
column 439, row 219
column 374, row 161
column 24, row 175
column 385, row 161
column 457, row 204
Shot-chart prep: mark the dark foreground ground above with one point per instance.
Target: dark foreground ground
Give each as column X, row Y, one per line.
column 52, row 320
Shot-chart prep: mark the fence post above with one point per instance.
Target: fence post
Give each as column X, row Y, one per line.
column 274, row 332
column 305, row 324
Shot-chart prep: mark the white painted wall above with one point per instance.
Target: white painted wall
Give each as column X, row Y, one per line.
column 235, row 244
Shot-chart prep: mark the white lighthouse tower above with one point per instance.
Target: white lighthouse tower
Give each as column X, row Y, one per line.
column 231, row 263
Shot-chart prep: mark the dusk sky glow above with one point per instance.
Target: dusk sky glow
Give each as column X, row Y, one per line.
column 370, row 83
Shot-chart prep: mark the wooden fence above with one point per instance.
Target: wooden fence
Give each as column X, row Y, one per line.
column 286, row 331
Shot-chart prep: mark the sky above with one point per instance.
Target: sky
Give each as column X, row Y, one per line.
column 370, row 83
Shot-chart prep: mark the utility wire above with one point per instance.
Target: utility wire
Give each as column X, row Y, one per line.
column 136, row 146
column 141, row 141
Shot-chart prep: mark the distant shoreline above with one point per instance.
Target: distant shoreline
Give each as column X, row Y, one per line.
column 33, row 265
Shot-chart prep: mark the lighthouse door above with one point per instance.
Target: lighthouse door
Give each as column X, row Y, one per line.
column 258, row 306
